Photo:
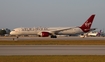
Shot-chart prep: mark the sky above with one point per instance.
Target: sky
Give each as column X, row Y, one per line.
column 51, row 13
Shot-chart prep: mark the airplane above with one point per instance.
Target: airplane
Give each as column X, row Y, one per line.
column 54, row 31
column 93, row 34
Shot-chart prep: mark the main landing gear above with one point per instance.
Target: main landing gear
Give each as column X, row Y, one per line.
column 53, row 36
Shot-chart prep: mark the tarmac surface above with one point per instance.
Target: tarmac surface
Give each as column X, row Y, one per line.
column 52, row 49
column 48, row 38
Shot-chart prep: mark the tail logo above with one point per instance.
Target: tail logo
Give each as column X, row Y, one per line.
column 88, row 24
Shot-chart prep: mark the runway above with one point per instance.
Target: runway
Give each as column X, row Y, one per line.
column 52, row 49
column 48, row 38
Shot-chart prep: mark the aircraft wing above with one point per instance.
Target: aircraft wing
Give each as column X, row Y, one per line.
column 56, row 31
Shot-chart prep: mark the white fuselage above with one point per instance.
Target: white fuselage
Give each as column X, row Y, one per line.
column 35, row 31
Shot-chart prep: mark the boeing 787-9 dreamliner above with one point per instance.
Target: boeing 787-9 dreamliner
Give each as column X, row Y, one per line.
column 54, row 31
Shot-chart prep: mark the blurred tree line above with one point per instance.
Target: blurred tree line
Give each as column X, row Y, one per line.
column 4, row 31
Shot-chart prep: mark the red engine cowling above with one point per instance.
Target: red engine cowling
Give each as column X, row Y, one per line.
column 45, row 34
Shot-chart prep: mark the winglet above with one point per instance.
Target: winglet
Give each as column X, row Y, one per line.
column 87, row 25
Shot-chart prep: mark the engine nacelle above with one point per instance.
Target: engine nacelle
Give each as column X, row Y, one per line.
column 44, row 34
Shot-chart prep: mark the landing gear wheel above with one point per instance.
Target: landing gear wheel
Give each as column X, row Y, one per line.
column 53, row 36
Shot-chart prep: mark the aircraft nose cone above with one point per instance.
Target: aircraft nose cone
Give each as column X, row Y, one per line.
column 11, row 33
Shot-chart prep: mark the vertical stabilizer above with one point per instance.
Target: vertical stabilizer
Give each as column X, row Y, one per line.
column 87, row 25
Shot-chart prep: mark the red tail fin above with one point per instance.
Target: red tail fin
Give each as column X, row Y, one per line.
column 87, row 25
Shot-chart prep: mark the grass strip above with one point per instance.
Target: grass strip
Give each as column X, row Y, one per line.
column 54, row 58
column 52, row 42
